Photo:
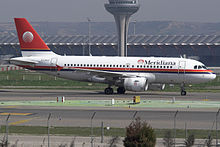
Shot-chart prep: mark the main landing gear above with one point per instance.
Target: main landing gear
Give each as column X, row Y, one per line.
column 121, row 90
column 109, row 91
column 183, row 92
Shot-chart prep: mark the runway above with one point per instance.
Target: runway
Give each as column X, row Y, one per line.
column 42, row 94
column 114, row 117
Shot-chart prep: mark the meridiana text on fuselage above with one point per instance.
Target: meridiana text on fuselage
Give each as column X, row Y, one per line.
column 156, row 62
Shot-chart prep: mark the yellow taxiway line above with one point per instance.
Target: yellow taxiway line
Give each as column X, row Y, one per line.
column 16, row 114
column 21, row 121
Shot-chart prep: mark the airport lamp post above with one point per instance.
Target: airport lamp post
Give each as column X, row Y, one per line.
column 48, row 129
column 93, row 115
column 7, row 130
column 216, row 123
column 135, row 21
column 89, row 33
column 175, row 127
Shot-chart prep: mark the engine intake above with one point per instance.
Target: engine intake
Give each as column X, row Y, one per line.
column 135, row 84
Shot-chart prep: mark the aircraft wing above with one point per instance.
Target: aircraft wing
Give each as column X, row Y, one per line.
column 104, row 74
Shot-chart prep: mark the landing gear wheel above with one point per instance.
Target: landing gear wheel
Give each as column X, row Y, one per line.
column 109, row 91
column 183, row 92
column 121, row 90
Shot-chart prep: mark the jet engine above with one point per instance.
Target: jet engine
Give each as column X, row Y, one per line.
column 136, row 84
column 156, row 87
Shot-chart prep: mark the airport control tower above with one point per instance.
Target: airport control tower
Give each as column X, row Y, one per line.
column 122, row 10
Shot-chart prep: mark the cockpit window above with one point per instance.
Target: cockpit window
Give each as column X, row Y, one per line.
column 199, row 67
column 204, row 67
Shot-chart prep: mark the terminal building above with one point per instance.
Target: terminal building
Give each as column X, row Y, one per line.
column 205, row 48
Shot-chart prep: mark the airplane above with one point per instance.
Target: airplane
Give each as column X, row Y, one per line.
column 127, row 73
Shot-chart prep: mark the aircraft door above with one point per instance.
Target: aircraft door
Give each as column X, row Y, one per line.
column 181, row 70
column 53, row 64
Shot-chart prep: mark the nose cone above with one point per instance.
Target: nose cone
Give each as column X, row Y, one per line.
column 213, row 76
column 210, row 77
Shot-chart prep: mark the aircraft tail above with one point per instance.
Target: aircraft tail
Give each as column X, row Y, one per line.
column 31, row 43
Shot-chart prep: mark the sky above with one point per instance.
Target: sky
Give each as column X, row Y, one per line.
column 80, row 10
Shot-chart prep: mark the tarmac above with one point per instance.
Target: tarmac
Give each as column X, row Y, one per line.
column 31, row 107
column 77, row 141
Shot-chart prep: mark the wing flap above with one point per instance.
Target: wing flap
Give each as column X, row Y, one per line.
column 104, row 74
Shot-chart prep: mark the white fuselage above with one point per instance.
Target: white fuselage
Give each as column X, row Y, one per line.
column 155, row 69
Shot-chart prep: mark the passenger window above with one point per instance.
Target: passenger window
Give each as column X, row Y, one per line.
column 90, row 65
column 68, row 64
column 84, row 65
column 137, row 66
column 171, row 67
column 167, row 66
column 97, row 65
column 161, row 66
column 64, row 64
column 123, row 65
column 87, row 65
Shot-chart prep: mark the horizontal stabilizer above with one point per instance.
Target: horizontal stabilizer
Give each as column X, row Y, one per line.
column 22, row 61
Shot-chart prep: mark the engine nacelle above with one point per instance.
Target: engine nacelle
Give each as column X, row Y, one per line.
column 156, row 86
column 97, row 79
column 135, row 84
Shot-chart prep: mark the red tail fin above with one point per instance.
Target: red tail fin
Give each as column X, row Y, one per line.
column 28, row 37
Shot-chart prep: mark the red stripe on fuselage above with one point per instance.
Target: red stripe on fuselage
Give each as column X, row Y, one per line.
column 115, row 69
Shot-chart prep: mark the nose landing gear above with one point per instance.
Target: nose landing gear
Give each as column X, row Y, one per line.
column 183, row 92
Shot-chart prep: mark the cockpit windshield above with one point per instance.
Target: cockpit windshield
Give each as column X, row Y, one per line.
column 200, row 67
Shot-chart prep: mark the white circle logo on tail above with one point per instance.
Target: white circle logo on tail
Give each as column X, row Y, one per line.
column 28, row 37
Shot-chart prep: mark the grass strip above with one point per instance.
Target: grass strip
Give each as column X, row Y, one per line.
column 29, row 78
column 86, row 131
